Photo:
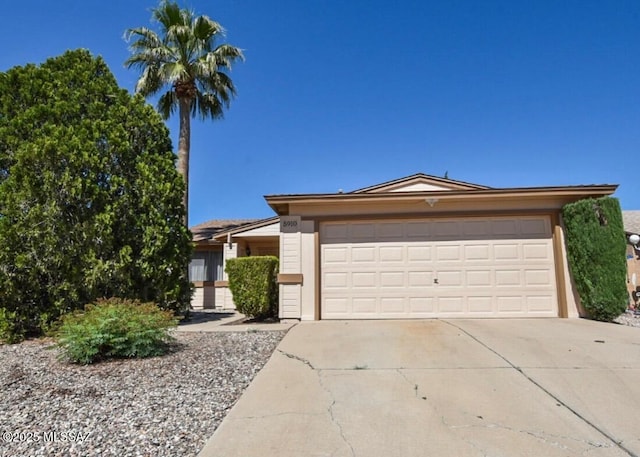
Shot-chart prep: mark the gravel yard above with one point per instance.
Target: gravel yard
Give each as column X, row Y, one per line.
column 162, row 406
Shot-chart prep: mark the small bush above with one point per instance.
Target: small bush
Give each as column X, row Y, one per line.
column 596, row 250
column 8, row 331
column 253, row 285
column 115, row 328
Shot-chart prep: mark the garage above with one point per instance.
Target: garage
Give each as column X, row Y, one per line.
column 445, row 267
column 423, row 246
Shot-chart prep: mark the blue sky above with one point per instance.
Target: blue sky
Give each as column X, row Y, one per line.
column 345, row 94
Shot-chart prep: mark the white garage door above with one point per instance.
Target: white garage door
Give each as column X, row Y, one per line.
column 463, row 267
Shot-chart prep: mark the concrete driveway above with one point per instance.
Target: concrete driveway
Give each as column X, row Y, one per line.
column 530, row 387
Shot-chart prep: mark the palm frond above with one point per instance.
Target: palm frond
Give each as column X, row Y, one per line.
column 206, row 29
column 167, row 104
column 207, row 105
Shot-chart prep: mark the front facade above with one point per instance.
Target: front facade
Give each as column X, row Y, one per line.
column 215, row 243
column 424, row 247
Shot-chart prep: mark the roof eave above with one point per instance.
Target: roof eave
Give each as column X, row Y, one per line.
column 222, row 235
column 280, row 203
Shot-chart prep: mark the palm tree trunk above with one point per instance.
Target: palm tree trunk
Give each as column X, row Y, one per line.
column 184, row 145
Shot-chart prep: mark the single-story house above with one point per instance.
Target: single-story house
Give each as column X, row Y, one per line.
column 631, row 222
column 415, row 247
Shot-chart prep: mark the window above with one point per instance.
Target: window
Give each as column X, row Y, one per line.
column 205, row 266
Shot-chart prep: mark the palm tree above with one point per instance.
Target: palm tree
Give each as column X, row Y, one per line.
column 186, row 60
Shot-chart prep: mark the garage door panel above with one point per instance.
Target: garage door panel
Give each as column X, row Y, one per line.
column 439, row 268
column 537, row 278
column 420, row 279
column 392, row 305
column 451, row 305
column 362, row 232
column 364, row 305
column 335, row 232
column 479, row 278
column 363, row 254
column 511, row 304
column 447, row 253
column 336, row 306
column 504, row 228
column 449, row 279
column 334, row 280
column 506, row 252
column 537, row 227
column 482, row 305
column 477, row 253
column 419, row 254
column 336, row 255
column 536, row 251
column 392, row 279
column 447, row 230
column 363, row 279
column 389, row 231
column 391, row 254
column 421, row 305
column 473, row 229
column 539, row 303
column 418, row 230
column 508, row 278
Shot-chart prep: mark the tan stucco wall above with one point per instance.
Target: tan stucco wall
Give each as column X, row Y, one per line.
column 571, row 297
column 290, row 262
column 421, row 208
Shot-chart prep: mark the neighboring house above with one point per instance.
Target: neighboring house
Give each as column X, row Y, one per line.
column 631, row 222
column 219, row 240
column 415, row 247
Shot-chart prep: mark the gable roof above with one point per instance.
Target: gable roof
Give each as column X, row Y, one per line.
column 425, row 188
column 418, row 182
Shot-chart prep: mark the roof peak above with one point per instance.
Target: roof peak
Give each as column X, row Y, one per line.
column 419, row 181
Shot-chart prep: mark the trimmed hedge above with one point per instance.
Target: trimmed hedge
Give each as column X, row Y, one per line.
column 115, row 328
column 596, row 249
column 253, row 284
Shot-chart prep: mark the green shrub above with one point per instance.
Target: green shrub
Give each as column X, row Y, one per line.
column 596, row 250
column 90, row 199
column 9, row 333
column 115, row 328
column 253, row 284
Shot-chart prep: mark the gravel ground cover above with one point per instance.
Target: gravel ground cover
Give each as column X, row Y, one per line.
column 630, row 317
column 161, row 406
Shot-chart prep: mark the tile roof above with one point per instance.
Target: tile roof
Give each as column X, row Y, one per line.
column 631, row 221
column 206, row 230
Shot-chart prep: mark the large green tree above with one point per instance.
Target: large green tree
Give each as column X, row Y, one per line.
column 90, row 200
column 186, row 63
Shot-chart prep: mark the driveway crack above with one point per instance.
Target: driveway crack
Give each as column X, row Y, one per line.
column 330, row 408
column 332, row 416
column 551, row 439
column 298, row 358
column 617, row 442
column 404, row 376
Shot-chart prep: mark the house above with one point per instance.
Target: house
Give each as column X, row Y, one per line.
column 217, row 241
column 631, row 223
column 415, row 247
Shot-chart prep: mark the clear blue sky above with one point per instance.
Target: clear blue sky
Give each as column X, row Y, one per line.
column 341, row 94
